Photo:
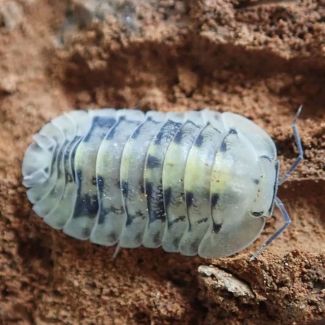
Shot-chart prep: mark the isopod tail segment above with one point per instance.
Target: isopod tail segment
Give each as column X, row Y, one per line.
column 277, row 201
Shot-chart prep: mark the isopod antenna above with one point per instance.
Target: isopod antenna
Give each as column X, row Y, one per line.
column 298, row 142
column 287, row 221
column 277, row 201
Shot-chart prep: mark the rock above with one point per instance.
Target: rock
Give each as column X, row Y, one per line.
column 11, row 15
column 8, row 84
column 218, row 281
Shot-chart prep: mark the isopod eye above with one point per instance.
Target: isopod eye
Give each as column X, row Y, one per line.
column 257, row 213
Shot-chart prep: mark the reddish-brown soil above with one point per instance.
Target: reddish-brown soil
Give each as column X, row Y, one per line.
column 259, row 58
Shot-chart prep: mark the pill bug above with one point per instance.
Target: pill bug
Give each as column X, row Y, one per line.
column 198, row 183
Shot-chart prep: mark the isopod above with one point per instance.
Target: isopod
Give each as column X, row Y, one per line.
column 198, row 183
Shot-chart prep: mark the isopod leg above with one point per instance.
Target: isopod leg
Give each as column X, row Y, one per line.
column 299, row 147
column 116, row 251
column 287, row 221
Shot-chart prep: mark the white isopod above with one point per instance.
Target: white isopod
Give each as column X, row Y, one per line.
column 197, row 183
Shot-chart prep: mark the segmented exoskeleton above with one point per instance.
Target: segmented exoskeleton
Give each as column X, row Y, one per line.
column 198, row 182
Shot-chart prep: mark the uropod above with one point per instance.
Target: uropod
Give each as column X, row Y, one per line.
column 198, row 183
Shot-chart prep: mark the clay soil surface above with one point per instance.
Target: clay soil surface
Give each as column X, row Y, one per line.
column 261, row 59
